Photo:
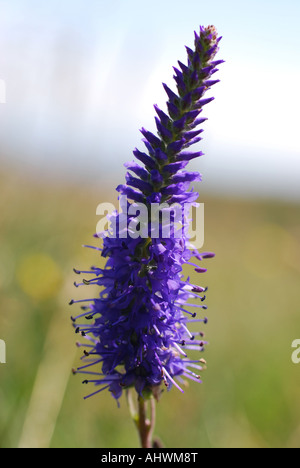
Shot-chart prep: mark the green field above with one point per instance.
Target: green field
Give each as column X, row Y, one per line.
column 250, row 393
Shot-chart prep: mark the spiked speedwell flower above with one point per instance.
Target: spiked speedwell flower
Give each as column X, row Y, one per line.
column 137, row 329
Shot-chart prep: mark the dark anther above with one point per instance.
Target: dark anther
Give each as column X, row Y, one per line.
column 72, row 318
column 85, row 382
column 86, row 353
column 82, row 333
column 203, row 298
column 183, row 343
column 204, row 307
column 192, row 338
column 89, row 317
column 197, row 289
column 201, row 344
column 205, row 320
column 77, row 330
column 76, row 271
column 194, row 315
column 71, row 302
column 74, row 371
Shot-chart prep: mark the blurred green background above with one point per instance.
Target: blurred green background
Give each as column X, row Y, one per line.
column 250, row 394
column 76, row 83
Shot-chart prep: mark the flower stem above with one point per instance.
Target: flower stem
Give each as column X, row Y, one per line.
column 153, row 419
column 145, row 426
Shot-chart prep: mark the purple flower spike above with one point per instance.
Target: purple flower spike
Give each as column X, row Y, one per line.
column 136, row 329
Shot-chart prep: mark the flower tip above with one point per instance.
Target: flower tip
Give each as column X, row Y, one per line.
column 190, row 52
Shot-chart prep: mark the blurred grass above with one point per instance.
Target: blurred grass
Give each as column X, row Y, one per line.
column 249, row 397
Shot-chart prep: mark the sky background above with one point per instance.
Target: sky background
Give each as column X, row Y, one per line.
column 82, row 77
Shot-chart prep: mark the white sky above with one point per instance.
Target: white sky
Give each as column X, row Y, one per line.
column 81, row 79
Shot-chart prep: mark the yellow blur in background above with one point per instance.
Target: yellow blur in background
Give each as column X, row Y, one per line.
column 39, row 276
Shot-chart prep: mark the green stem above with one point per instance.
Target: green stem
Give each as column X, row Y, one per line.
column 153, row 419
column 145, row 426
